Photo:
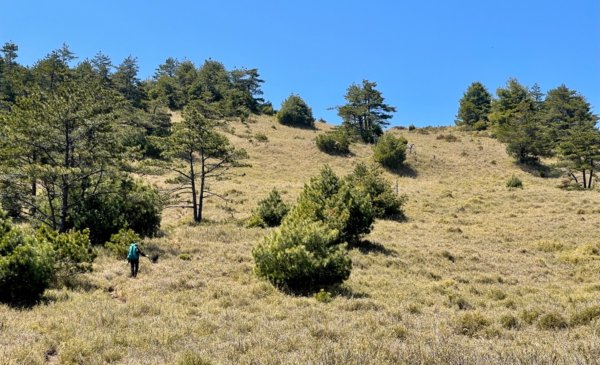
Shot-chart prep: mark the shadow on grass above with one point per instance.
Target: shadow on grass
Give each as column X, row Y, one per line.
column 348, row 293
column 404, row 170
column 538, row 169
column 367, row 247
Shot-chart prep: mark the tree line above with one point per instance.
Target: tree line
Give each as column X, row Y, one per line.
column 533, row 125
column 75, row 134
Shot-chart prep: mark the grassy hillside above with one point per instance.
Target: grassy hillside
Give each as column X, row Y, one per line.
column 478, row 274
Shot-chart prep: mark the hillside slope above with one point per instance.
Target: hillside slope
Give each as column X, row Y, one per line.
column 478, row 273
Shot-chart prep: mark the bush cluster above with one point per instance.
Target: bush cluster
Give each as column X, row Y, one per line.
column 307, row 252
column 132, row 204
column 29, row 263
column 336, row 142
column 390, row 151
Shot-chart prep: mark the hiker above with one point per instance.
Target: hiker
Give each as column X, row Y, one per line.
column 134, row 258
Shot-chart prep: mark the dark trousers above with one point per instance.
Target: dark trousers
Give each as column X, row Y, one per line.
column 135, row 265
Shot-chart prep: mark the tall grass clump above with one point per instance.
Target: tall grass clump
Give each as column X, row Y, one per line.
column 514, row 183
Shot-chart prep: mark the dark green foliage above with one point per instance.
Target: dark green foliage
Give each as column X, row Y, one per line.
column 302, row 256
column 26, row 264
column 307, row 252
column 335, row 142
column 130, row 204
column 73, row 251
column 517, row 120
column 390, row 151
column 119, row 242
column 340, row 206
column 514, row 183
column 295, row 112
column 366, row 113
column 474, row 108
column 369, row 179
column 270, row 211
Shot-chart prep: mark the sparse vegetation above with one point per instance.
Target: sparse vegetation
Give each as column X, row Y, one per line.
column 476, row 275
column 514, row 183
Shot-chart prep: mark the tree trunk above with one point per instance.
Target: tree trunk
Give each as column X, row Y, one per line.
column 65, row 182
column 591, row 174
column 202, row 184
column 584, row 179
column 193, row 181
column 574, row 178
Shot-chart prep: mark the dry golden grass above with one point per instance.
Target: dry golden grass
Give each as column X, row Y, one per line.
column 478, row 274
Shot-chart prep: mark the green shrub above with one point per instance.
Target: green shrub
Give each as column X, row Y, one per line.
column 270, row 211
column 390, row 151
column 73, row 251
column 323, row 296
column 119, row 242
column 302, row 256
column 514, row 182
column 552, row 321
column 335, row 142
column 334, row 202
column 386, row 204
column 295, row 112
column 132, row 204
column 585, row 316
column 412, row 127
column 26, row 264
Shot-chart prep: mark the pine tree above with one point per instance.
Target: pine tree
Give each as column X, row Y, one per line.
column 365, row 112
column 474, row 108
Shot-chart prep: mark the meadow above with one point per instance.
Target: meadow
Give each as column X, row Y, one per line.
column 477, row 274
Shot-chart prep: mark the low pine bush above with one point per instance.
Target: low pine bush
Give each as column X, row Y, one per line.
column 385, row 202
column 26, row 264
column 302, row 257
column 335, row 142
column 73, row 251
column 119, row 242
column 270, row 211
column 390, row 151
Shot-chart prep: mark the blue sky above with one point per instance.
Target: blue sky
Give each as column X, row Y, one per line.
column 423, row 54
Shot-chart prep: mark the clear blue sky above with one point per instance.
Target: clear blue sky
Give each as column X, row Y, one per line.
column 423, row 54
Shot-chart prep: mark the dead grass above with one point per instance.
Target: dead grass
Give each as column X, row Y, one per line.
column 467, row 279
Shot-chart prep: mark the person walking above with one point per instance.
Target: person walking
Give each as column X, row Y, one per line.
column 133, row 257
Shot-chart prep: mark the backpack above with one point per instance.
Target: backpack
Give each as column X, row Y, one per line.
column 134, row 253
